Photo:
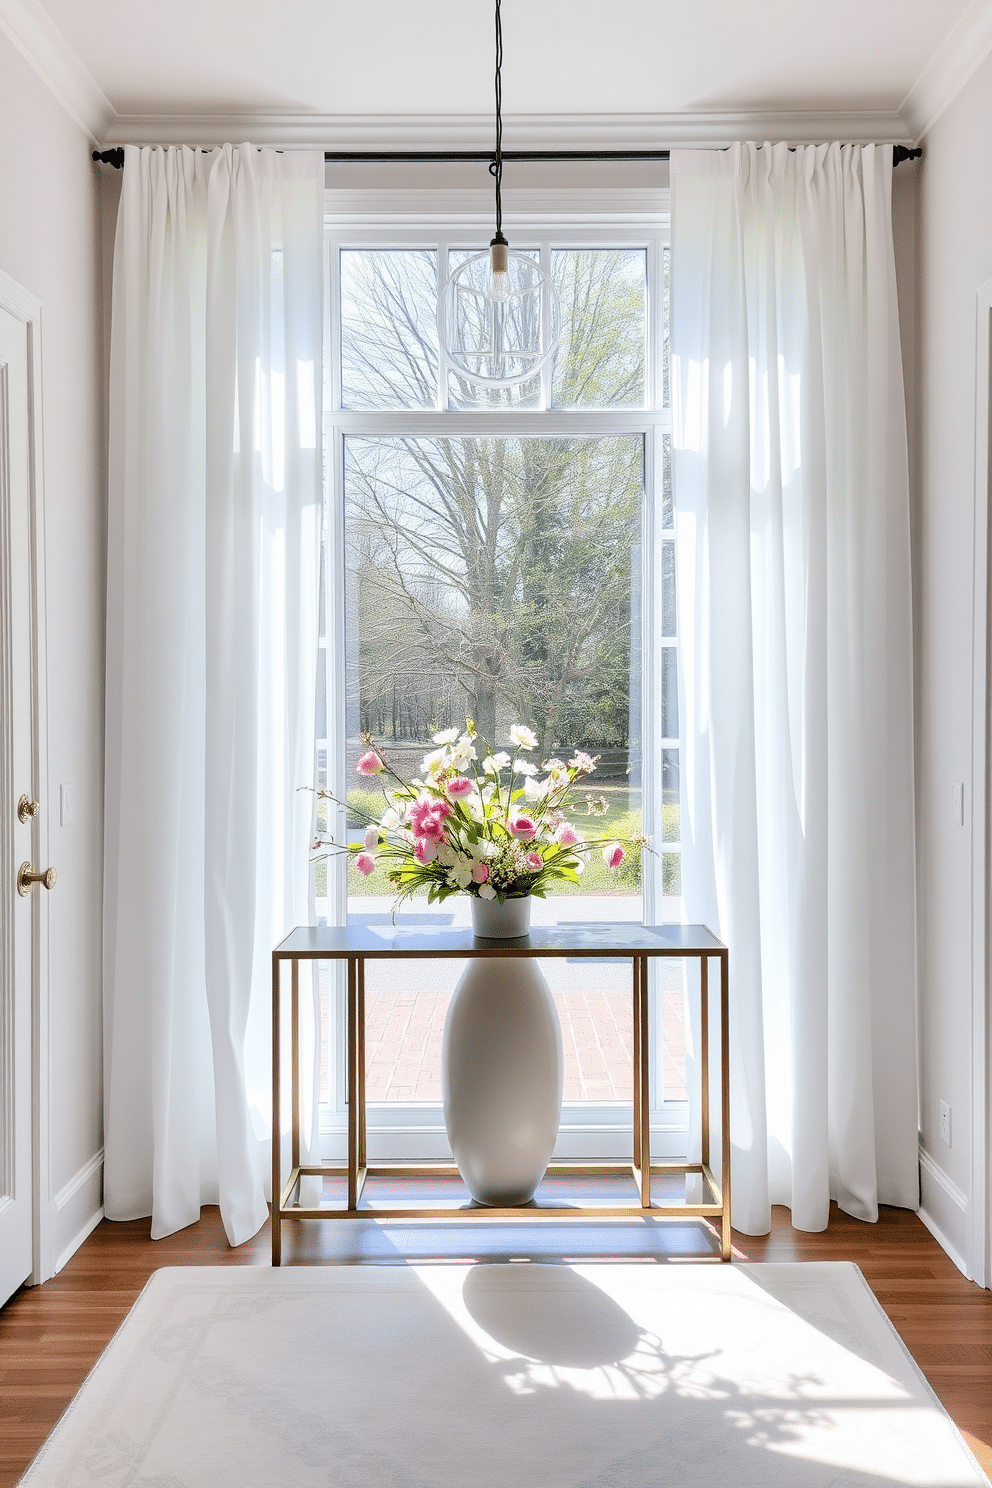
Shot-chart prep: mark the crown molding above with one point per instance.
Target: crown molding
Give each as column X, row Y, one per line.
column 953, row 63
column 521, row 131
column 42, row 44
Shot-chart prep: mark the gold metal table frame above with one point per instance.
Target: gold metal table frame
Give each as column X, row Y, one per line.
column 617, row 940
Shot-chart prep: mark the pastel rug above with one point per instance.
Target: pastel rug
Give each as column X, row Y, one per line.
column 501, row 1376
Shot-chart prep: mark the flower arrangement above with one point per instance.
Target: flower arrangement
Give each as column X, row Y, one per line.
column 494, row 827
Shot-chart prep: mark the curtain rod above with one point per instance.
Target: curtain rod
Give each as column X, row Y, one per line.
column 115, row 156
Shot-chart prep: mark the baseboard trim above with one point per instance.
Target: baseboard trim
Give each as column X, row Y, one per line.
column 944, row 1243
column 940, row 1196
column 77, row 1240
column 78, row 1180
column 76, row 1210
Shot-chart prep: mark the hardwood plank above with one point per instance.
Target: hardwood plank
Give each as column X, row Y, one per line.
column 51, row 1336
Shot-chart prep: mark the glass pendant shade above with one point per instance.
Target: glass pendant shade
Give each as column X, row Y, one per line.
column 498, row 318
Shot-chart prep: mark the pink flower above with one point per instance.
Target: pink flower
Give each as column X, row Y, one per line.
column 460, row 786
column 369, row 764
column 365, row 863
column 425, row 851
column 535, row 862
column 567, row 835
column 418, row 811
column 433, row 827
column 371, row 838
column 613, row 855
column 480, row 873
column 523, row 828
column 426, row 817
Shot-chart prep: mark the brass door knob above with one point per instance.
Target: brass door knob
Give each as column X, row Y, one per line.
column 26, row 808
column 25, row 878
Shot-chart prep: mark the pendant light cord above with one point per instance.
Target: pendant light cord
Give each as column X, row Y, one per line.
column 497, row 165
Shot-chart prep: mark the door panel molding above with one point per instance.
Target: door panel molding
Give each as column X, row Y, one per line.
column 24, row 306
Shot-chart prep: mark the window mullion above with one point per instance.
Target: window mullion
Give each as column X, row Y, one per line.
column 548, row 367
column 652, row 388
column 442, row 359
column 332, row 324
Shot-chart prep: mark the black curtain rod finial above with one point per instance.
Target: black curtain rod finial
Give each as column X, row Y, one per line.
column 113, row 157
column 903, row 152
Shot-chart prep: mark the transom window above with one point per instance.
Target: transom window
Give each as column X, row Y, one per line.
column 509, row 555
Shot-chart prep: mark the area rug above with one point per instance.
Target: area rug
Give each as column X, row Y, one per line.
column 506, row 1376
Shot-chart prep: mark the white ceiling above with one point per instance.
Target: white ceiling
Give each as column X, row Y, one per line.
column 561, row 56
column 415, row 58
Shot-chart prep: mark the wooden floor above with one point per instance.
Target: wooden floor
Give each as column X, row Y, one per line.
column 51, row 1336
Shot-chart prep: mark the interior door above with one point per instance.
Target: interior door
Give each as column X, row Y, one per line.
column 16, row 828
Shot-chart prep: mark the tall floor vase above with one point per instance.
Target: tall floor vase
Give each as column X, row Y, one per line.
column 502, row 1066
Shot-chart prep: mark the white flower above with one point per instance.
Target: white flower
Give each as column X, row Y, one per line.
column 493, row 763
column 391, row 819
column 486, row 891
column 433, row 763
column 371, row 838
column 460, row 757
column 536, row 790
column 522, row 737
column 458, row 878
column 446, row 736
column 524, row 767
column 446, row 854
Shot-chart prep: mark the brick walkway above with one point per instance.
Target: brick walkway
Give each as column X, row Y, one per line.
column 404, row 1023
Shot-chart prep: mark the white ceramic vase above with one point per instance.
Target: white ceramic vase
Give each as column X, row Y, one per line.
column 502, row 1065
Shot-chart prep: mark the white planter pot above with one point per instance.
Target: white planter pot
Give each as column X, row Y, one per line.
column 502, row 1073
column 507, row 921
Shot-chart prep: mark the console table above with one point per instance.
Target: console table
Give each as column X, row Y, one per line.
column 620, row 941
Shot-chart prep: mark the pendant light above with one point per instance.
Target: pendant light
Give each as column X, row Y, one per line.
column 498, row 316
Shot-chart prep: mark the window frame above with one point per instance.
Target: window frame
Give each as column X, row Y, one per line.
column 454, row 220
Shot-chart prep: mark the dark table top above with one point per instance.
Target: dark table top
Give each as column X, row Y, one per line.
column 600, row 938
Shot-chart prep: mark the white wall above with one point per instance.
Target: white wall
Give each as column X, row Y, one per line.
column 49, row 241
column 955, row 259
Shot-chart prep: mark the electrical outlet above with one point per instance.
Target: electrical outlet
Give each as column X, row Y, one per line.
column 945, row 1123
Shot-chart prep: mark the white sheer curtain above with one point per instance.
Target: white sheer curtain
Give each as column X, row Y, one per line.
column 214, row 542
column 795, row 631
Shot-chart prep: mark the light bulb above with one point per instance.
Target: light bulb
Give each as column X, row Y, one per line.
column 499, row 278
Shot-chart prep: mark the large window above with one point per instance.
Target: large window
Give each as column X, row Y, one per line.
column 507, row 555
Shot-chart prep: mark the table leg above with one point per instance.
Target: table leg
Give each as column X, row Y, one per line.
column 643, row 1077
column 636, row 1018
column 704, row 1056
column 353, row 1083
column 725, row 1099
column 294, row 1074
column 276, row 1217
